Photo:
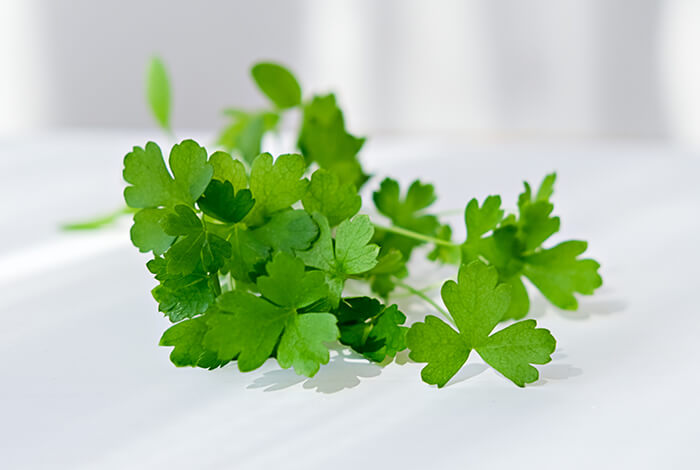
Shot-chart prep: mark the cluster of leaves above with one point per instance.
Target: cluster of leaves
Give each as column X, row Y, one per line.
column 252, row 254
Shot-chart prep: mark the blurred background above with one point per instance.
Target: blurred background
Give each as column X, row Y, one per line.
column 487, row 69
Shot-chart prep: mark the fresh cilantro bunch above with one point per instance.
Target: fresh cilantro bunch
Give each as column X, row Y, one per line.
column 252, row 253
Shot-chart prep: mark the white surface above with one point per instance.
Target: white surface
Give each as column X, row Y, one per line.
column 83, row 384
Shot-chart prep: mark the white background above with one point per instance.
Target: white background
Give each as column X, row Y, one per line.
column 504, row 69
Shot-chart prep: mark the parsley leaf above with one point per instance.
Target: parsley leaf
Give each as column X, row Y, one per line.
column 245, row 132
column 405, row 213
column 152, row 185
column 558, row 273
column 324, row 140
column 350, row 254
column 477, row 304
column 180, row 296
column 329, row 196
column 196, row 245
column 147, row 233
column 158, row 92
column 288, row 230
column 515, row 248
column 187, row 338
column 278, row 84
column 228, row 169
column 249, row 327
column 220, row 202
column 371, row 329
column 276, row 186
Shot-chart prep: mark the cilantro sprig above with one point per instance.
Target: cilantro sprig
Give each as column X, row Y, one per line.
column 252, row 253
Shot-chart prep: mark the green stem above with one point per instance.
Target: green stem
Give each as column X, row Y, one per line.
column 420, row 294
column 99, row 222
column 415, row 235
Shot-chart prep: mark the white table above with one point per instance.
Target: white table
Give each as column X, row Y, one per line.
column 83, row 384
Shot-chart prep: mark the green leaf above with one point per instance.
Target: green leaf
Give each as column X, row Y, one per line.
column 182, row 222
column 512, row 350
column 353, row 253
column 324, row 140
column 544, row 193
column 481, row 220
column 536, row 225
column 250, row 326
column 327, row 195
column 219, row 202
column 151, row 183
column 247, row 329
column 287, row 284
column 445, row 254
column 184, row 257
column 276, row 186
column 288, row 230
column 248, row 255
column 158, row 92
column 405, row 213
column 515, row 248
column 181, row 297
column 195, row 246
column 187, row 338
column 147, row 233
column 245, row 133
column 215, row 251
column 371, row 328
column 435, row 342
column 477, row 304
column 278, row 84
column 558, row 273
column 228, row 169
column 302, row 344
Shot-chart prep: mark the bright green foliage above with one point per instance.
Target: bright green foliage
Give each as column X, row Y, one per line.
column 158, row 92
column 180, row 296
column 445, row 254
column 406, row 213
column 195, row 246
column 324, row 140
column 278, row 84
column 288, row 230
column 477, row 304
column 245, row 132
column 151, row 183
column 390, row 266
column 335, row 200
column 349, row 254
column 147, row 233
column 370, row 328
column 187, row 337
column 276, row 185
column 252, row 259
column 515, row 248
column 249, row 327
column 220, row 202
column 558, row 273
column 228, row 169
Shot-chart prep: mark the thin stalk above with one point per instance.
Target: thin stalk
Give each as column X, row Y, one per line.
column 415, row 235
column 420, row 294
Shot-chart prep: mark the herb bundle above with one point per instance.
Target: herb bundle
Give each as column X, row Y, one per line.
column 252, row 253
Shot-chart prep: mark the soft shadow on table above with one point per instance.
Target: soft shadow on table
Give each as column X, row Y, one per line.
column 556, row 370
column 587, row 308
column 345, row 370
